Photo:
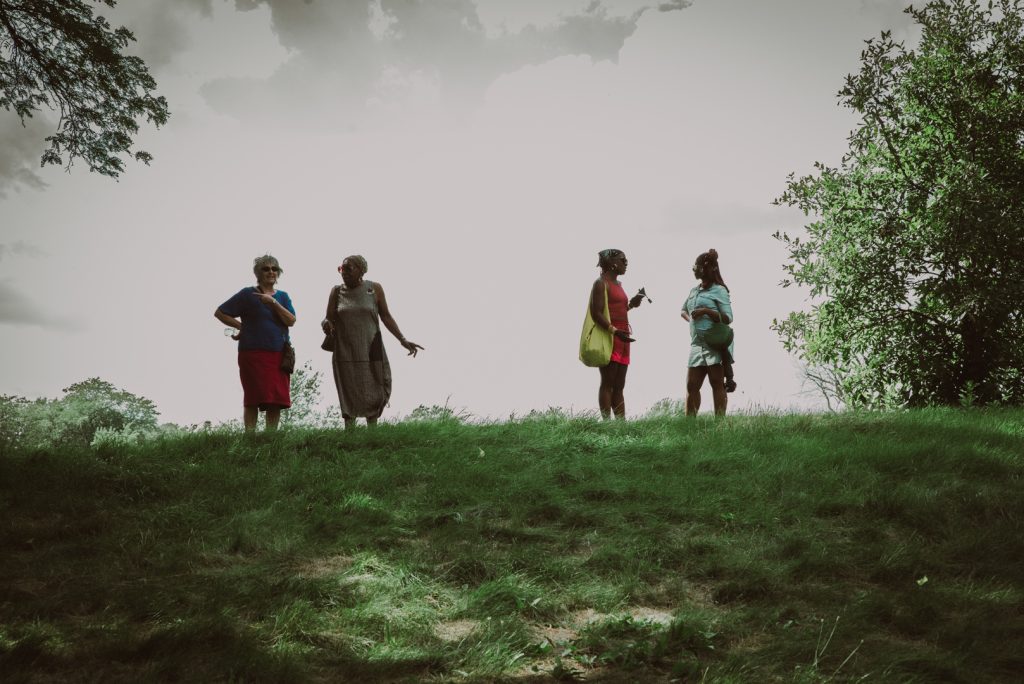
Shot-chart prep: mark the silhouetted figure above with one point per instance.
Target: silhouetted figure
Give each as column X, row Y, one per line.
column 613, row 263
column 362, row 374
column 708, row 306
column 262, row 316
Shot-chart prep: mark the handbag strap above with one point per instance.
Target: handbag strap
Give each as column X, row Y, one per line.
column 607, row 311
column 287, row 331
column 718, row 306
column 332, row 306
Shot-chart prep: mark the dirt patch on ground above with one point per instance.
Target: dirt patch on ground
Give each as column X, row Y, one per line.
column 582, row 618
column 324, row 567
column 456, row 630
column 555, row 634
column 647, row 614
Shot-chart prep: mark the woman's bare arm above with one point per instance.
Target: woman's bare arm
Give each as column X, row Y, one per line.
column 277, row 308
column 597, row 295
column 389, row 321
column 332, row 312
column 229, row 321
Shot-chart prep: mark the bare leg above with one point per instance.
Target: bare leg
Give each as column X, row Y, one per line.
column 716, row 377
column 249, row 416
column 609, row 395
column 694, row 381
column 273, row 418
column 618, row 400
column 604, row 392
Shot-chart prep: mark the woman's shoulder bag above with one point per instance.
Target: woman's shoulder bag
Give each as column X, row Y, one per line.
column 595, row 342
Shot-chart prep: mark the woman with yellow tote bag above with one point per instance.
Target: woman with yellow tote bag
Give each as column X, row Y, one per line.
column 605, row 339
column 595, row 340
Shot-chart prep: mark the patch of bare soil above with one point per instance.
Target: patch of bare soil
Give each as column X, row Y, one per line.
column 456, row 630
column 648, row 614
column 556, row 635
column 582, row 618
column 325, row 567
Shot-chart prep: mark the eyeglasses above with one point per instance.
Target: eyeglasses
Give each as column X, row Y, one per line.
column 275, row 269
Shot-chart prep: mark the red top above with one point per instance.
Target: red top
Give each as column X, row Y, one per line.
column 618, row 305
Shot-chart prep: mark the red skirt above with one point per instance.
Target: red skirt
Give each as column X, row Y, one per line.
column 264, row 384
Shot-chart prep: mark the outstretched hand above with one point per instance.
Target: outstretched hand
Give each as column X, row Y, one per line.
column 411, row 346
column 265, row 298
column 636, row 301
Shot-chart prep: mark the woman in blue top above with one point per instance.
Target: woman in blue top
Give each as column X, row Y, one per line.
column 262, row 316
column 706, row 305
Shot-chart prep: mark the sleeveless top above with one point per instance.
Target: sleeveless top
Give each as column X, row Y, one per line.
column 618, row 308
column 362, row 373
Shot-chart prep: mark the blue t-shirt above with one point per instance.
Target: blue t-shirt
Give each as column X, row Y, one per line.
column 261, row 329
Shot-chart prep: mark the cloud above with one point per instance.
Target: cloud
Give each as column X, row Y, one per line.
column 348, row 57
column 21, row 248
column 17, row 308
column 161, row 28
column 21, row 147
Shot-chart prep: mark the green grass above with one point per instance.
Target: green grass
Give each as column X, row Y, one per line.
column 792, row 548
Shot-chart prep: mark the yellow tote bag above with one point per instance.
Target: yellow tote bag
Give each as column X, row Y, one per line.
column 595, row 342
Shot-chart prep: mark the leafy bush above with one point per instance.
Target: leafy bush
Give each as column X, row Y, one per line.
column 87, row 408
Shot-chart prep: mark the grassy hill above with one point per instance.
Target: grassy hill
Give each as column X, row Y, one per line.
column 856, row 547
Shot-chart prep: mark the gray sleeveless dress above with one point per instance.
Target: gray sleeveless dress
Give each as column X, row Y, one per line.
column 362, row 373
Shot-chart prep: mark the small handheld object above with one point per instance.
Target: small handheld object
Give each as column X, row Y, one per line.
column 643, row 293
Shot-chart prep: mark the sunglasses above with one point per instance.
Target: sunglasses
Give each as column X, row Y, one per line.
column 266, row 269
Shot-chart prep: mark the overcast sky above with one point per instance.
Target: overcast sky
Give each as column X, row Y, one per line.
column 478, row 153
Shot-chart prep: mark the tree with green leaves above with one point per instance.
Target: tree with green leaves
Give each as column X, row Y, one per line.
column 112, row 407
column 915, row 254
column 58, row 55
column 86, row 408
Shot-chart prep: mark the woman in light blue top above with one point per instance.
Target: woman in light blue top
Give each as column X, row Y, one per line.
column 706, row 305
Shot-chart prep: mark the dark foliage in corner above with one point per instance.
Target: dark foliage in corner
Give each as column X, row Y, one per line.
column 58, row 55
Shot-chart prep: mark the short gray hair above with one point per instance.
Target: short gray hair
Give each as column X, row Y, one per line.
column 265, row 260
